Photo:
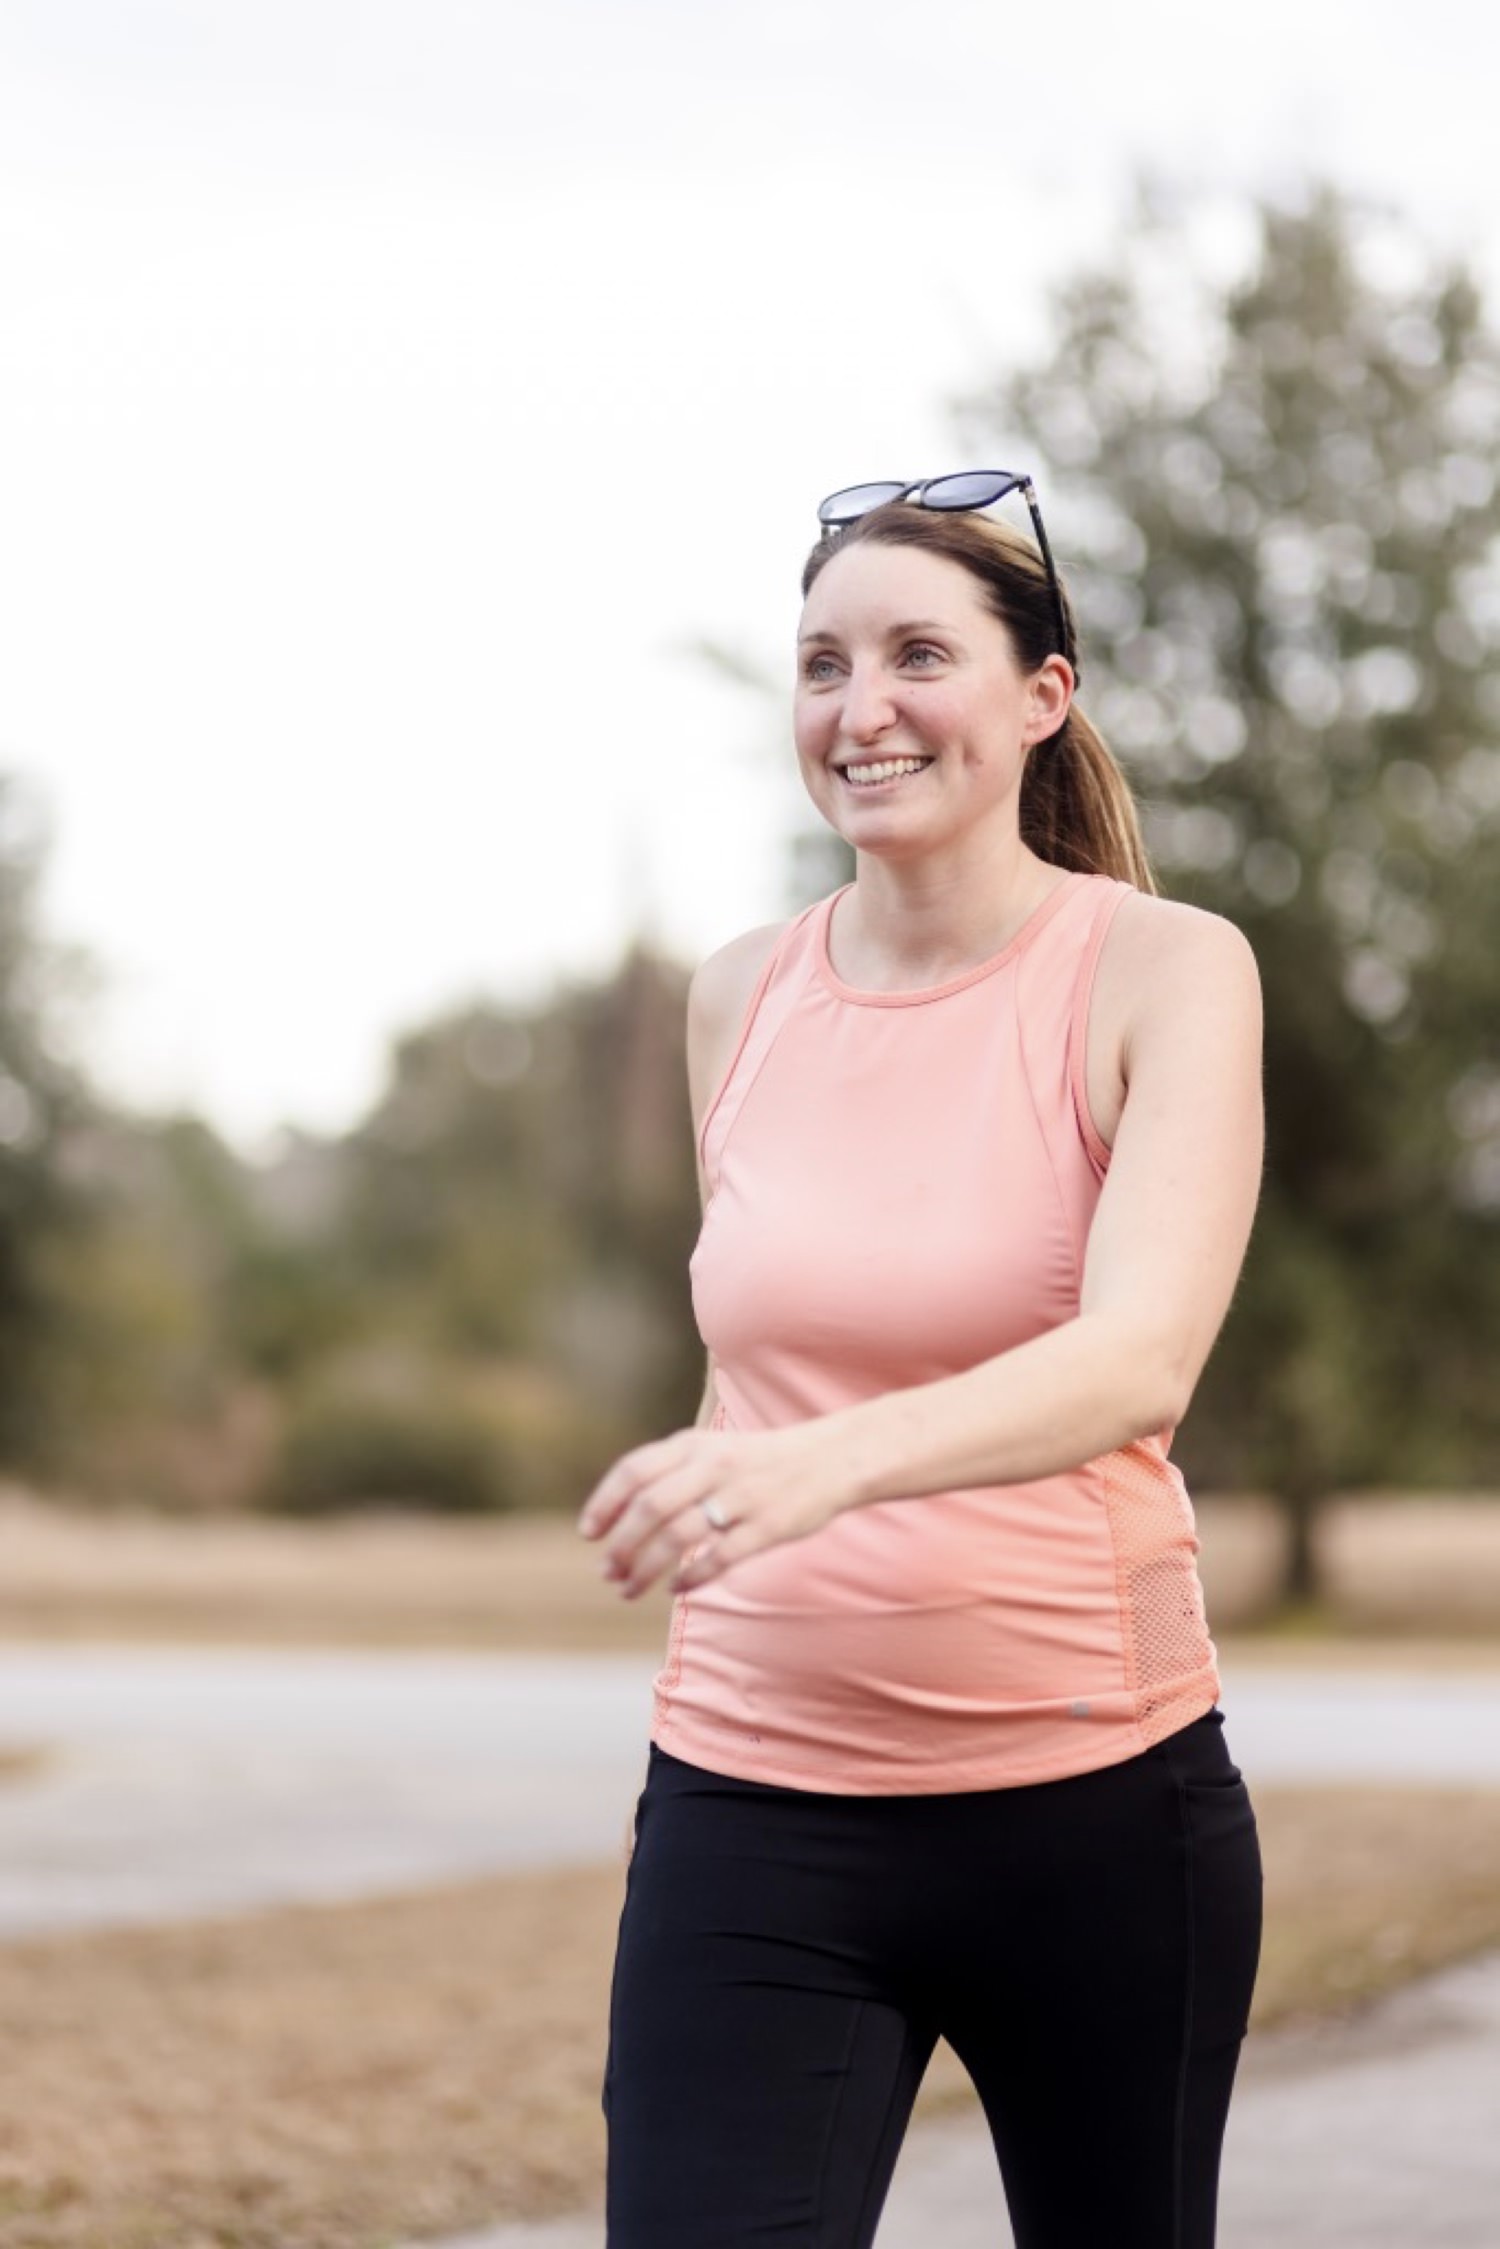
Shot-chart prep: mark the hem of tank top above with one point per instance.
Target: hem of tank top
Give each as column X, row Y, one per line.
column 1035, row 921
column 949, row 1781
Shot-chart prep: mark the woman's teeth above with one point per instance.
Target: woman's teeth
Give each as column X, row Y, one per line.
column 864, row 776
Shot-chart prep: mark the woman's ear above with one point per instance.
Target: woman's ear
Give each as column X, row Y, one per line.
column 1051, row 694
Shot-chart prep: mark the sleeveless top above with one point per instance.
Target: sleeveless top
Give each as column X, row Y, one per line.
column 900, row 1185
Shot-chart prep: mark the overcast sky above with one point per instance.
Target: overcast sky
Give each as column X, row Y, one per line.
column 391, row 393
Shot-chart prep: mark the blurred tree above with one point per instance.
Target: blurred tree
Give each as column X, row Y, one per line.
column 524, row 1191
column 149, row 1390
column 41, row 1098
column 1276, row 505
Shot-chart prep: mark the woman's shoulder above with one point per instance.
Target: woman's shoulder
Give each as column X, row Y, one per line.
column 1160, row 951
column 719, row 997
column 1149, row 927
column 723, row 982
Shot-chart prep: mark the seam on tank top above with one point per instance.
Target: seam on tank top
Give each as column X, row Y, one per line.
column 1074, row 1243
column 1189, row 2004
column 757, row 997
column 671, row 1670
column 752, row 1009
column 1078, row 1026
column 1124, row 1614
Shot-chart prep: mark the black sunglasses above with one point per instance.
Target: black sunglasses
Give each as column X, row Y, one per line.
column 972, row 488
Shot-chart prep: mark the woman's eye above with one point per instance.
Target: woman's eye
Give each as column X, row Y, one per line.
column 818, row 670
column 922, row 653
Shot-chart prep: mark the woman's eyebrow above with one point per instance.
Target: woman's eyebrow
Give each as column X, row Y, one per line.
column 892, row 632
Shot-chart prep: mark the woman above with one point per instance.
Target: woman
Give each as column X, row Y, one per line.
column 937, row 1748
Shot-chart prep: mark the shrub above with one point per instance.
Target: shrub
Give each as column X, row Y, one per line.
column 412, row 1440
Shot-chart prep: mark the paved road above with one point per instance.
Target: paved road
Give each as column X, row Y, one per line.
column 187, row 1782
column 1375, row 2134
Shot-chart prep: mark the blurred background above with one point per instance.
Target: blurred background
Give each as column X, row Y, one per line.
column 411, row 427
column 412, row 432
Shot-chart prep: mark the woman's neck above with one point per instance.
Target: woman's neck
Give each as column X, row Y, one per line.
column 908, row 925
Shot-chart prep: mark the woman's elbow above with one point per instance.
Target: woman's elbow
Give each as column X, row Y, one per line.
column 1161, row 1374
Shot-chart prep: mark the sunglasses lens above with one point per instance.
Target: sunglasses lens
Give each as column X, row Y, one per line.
column 856, row 500
column 980, row 488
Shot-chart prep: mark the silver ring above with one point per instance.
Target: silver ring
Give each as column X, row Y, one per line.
column 717, row 1518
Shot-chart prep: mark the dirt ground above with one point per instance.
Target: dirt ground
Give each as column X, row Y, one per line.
column 353, row 2077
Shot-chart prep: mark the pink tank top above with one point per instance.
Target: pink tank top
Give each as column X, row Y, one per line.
column 900, row 1184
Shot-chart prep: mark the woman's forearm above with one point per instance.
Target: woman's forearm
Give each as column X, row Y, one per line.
column 1080, row 1390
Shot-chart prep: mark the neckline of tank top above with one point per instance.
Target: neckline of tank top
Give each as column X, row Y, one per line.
column 1035, row 920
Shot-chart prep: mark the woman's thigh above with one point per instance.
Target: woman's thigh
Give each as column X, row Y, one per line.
column 1098, row 1989
column 762, row 2061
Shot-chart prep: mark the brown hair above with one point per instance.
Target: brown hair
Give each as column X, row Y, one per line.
column 1077, row 810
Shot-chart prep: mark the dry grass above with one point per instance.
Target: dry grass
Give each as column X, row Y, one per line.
column 319, row 2077
column 353, row 2077
column 378, row 1581
column 1420, row 1579
column 1393, row 1559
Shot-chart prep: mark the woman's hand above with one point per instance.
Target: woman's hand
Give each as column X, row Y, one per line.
column 763, row 1487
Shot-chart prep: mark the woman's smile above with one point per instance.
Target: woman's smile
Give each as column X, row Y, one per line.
column 868, row 775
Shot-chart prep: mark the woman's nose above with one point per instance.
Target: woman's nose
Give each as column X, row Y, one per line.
column 869, row 708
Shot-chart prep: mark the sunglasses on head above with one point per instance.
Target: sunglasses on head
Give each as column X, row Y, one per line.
column 970, row 489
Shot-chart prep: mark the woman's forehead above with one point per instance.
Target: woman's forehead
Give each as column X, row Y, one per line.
column 870, row 585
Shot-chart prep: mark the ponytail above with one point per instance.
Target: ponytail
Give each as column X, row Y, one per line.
column 1077, row 809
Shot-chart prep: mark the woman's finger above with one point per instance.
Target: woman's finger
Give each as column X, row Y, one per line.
column 720, row 1551
column 632, row 1473
column 661, row 1522
column 665, row 1553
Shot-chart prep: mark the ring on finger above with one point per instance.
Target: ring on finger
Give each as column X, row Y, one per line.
column 715, row 1515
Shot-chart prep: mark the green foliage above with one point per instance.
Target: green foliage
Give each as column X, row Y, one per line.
column 389, row 1424
column 475, row 1300
column 478, row 1299
column 40, row 1097
column 148, row 1395
column 1277, row 507
column 526, row 1187
column 419, row 1449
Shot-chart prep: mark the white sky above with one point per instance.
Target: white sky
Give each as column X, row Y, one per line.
column 390, row 390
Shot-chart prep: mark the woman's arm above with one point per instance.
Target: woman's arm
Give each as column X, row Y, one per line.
column 1164, row 1252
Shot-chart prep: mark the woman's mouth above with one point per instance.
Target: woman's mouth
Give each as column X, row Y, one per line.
column 880, row 773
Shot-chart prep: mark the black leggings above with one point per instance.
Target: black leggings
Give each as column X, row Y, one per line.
column 788, row 1960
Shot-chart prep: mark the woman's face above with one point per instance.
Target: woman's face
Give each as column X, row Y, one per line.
column 912, row 717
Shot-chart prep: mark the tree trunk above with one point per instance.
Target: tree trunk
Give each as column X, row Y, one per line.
column 1301, row 1587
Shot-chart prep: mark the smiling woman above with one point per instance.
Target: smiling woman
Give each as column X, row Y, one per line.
column 937, row 1745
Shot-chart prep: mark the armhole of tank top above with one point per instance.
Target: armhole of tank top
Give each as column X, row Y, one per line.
column 762, row 986
column 1078, row 1030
